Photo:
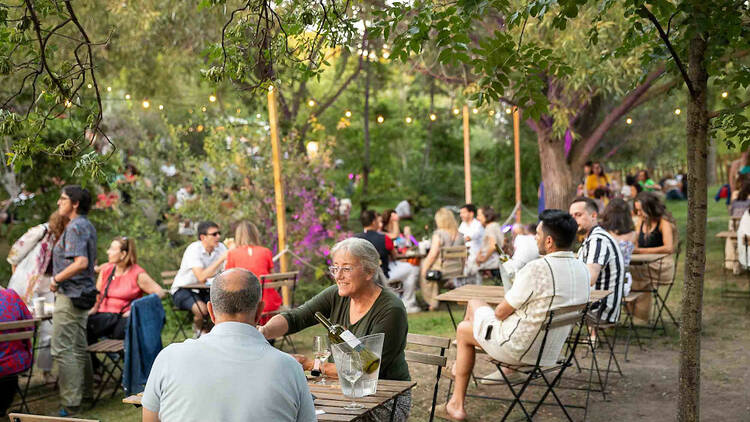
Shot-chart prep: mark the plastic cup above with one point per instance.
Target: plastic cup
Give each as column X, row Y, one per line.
column 38, row 306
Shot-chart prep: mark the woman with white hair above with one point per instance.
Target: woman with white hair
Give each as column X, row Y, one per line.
column 360, row 303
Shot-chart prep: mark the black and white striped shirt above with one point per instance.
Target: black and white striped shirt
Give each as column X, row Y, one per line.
column 601, row 248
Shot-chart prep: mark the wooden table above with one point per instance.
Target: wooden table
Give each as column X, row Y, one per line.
column 726, row 234
column 646, row 258
column 493, row 295
column 331, row 400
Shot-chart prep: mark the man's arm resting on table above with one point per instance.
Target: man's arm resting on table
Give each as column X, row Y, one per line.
column 149, row 416
column 594, row 270
column 503, row 310
column 203, row 274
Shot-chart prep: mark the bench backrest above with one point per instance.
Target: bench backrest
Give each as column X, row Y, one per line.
column 167, row 277
column 29, row 324
column 453, row 259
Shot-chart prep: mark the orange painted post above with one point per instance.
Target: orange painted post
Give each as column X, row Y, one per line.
column 467, row 156
column 278, row 188
column 517, row 149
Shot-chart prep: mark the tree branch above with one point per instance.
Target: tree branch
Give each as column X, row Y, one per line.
column 737, row 107
column 671, row 49
column 625, row 105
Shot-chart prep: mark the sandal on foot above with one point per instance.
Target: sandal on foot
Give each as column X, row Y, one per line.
column 441, row 411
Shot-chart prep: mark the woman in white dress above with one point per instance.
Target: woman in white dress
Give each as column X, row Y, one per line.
column 31, row 262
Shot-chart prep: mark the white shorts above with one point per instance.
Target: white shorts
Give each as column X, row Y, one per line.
column 484, row 318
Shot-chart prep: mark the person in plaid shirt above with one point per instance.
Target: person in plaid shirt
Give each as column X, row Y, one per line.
column 15, row 356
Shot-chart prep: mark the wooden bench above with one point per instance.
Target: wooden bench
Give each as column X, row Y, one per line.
column 20, row 417
column 108, row 348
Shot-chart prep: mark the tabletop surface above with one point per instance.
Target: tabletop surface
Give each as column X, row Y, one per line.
column 196, row 286
column 494, row 294
column 645, row 258
column 331, row 400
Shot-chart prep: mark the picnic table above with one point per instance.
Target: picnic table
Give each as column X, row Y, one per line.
column 331, row 401
column 493, row 295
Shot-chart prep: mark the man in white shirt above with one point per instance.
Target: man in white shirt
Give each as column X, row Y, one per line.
column 232, row 373
column 471, row 229
column 201, row 262
column 510, row 332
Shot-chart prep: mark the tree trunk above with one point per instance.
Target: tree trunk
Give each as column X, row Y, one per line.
column 366, row 131
column 560, row 187
column 695, row 258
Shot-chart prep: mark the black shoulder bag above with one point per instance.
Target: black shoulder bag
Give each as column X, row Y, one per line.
column 103, row 323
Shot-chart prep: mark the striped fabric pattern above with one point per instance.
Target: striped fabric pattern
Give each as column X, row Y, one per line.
column 601, row 248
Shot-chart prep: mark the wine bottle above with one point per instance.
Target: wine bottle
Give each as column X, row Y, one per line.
column 338, row 334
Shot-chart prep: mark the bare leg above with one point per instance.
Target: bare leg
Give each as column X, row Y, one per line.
column 199, row 310
column 465, row 357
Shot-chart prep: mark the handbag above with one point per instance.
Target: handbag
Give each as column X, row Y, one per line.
column 102, row 322
column 434, row 275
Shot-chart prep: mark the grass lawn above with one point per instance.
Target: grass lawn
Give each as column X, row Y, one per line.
column 658, row 358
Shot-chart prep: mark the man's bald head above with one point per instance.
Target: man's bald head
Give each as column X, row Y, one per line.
column 235, row 291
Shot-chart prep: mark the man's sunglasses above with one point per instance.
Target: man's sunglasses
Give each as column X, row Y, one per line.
column 217, row 234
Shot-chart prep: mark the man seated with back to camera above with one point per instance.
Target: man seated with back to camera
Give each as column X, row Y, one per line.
column 508, row 332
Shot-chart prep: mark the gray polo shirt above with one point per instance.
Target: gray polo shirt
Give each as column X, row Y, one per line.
column 78, row 239
column 230, row 374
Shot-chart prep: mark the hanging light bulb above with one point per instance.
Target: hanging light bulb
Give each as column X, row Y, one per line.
column 203, row 109
column 381, row 119
column 492, row 112
column 109, row 89
column 724, row 94
column 89, row 86
column 475, row 110
column 385, row 55
column 455, row 110
column 127, row 96
column 408, row 120
column 508, row 110
column 677, row 111
column 161, row 106
column 68, row 104
column 146, row 104
column 257, row 116
column 433, row 116
column 212, row 98
column 348, row 113
column 629, row 121
column 311, row 103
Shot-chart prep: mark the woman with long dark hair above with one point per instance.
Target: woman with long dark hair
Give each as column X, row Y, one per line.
column 657, row 234
column 618, row 221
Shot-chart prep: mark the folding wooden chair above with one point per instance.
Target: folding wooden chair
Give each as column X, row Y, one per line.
column 278, row 281
column 429, row 358
column 114, row 352
column 181, row 317
column 569, row 316
column 452, row 260
column 28, row 327
column 19, row 417
column 660, row 302
column 627, row 303
column 600, row 327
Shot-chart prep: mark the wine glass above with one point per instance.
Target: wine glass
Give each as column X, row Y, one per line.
column 351, row 369
column 322, row 352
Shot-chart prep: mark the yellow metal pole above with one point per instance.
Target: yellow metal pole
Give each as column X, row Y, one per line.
column 467, row 156
column 517, row 148
column 278, row 188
